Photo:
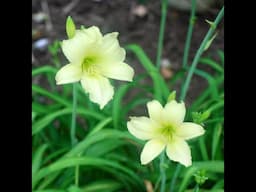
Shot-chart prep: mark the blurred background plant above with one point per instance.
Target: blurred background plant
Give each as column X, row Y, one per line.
column 106, row 157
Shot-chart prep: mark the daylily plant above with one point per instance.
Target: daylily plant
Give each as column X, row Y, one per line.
column 165, row 129
column 93, row 59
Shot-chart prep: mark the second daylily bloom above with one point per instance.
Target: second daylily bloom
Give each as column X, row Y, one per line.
column 165, row 129
column 93, row 59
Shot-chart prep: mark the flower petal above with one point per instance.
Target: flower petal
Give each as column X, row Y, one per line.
column 178, row 150
column 151, row 150
column 68, row 74
column 174, row 112
column 111, row 49
column 189, row 130
column 119, row 71
column 141, row 127
column 76, row 48
column 93, row 32
column 99, row 88
column 155, row 110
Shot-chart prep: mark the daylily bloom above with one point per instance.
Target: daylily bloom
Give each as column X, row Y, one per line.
column 93, row 59
column 165, row 129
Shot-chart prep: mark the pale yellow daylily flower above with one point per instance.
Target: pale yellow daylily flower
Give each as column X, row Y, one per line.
column 165, row 129
column 93, row 59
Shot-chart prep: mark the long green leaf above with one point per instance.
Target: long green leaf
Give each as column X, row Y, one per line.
column 52, row 96
column 221, row 55
column 203, row 149
column 216, row 139
column 50, row 190
column 219, row 185
column 43, row 109
column 47, row 181
column 211, row 63
column 91, row 140
column 213, row 86
column 37, row 158
column 42, row 123
column 100, row 126
column 104, row 147
column 44, row 69
column 55, row 154
column 205, row 94
column 117, row 103
column 82, row 161
column 103, row 185
column 94, row 138
column 158, row 82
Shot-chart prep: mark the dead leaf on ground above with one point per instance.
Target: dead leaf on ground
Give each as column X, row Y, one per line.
column 149, row 186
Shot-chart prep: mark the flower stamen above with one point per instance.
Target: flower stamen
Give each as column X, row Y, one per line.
column 87, row 65
column 167, row 132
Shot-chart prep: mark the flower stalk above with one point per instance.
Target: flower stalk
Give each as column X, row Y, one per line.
column 161, row 33
column 189, row 33
column 199, row 53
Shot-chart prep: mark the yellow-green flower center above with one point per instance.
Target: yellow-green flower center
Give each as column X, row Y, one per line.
column 167, row 132
column 88, row 65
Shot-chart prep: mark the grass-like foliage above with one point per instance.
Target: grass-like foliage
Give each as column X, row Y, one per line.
column 102, row 155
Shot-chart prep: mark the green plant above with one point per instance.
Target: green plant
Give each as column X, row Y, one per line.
column 103, row 155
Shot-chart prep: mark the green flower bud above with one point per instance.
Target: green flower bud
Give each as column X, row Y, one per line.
column 172, row 96
column 209, row 42
column 199, row 117
column 70, row 28
column 200, row 177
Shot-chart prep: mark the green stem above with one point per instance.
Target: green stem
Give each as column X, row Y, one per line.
column 77, row 175
column 73, row 120
column 174, row 178
column 161, row 33
column 189, row 34
column 157, row 183
column 162, row 172
column 73, row 129
column 196, row 189
column 199, row 53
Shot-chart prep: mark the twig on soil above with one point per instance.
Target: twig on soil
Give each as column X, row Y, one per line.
column 46, row 10
column 70, row 6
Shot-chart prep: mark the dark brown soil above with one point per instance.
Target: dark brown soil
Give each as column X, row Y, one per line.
column 117, row 15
